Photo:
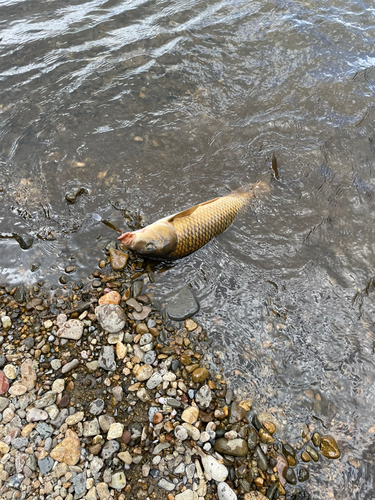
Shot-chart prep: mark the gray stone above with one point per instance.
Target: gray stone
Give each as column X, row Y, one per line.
column 183, row 305
column 150, row 357
column 72, row 329
column 45, row 465
column 4, row 402
column 111, row 317
column 234, row 447
column 107, row 358
column 203, row 397
column 146, row 338
column 19, row 442
column 166, row 485
column 109, row 449
column 96, row 407
column 46, row 400
column 44, row 430
column 15, row 481
column 225, row 492
column 154, row 380
column 79, row 484
column 60, row 419
column 70, row 366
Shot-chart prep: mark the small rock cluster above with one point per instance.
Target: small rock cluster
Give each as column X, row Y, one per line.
column 100, row 398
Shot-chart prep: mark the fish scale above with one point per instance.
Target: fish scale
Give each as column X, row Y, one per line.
column 205, row 223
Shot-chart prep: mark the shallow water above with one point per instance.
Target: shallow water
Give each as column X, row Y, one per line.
column 146, row 108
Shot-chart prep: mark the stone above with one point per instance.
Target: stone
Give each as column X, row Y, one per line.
column 193, row 431
column 36, row 414
column 75, row 418
column 236, row 413
column 254, row 495
column 4, row 448
column 4, row 384
column 58, row 385
column 187, row 495
column 214, row 469
column 281, row 465
column 118, row 481
column 225, row 492
column 6, row 321
column 71, row 329
column 134, row 304
column 203, row 397
column 102, row 491
column 166, row 485
column 121, row 350
column 107, row 358
column 44, row 430
column 329, row 448
column 45, row 465
column 140, row 316
column 112, row 297
column 47, row 399
column 15, row 481
column 64, row 401
column 79, row 484
column 144, row 373
column 234, row 447
column 190, row 414
column 200, row 375
column 70, row 366
column 4, row 403
column 96, row 407
column 182, row 305
column 109, row 449
column 10, row 371
column 105, row 422
column 56, row 364
column 111, row 317
column 69, row 450
column 117, row 259
column 150, row 357
column 180, row 433
column 125, row 457
column 115, row 431
column 190, row 325
column 91, row 428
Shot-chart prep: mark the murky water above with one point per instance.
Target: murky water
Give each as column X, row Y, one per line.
column 138, row 109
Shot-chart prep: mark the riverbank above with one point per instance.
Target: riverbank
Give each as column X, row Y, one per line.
column 102, row 397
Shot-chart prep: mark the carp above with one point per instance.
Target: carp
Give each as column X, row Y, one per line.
column 183, row 233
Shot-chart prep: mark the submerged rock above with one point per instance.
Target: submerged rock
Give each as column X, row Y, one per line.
column 182, row 305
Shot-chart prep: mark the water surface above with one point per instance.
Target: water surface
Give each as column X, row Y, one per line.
column 145, row 108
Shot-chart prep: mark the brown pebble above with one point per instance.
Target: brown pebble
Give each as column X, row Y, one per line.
column 64, row 401
column 154, row 332
column 271, row 428
column 126, row 437
column 110, row 298
column 305, row 457
column 157, row 418
column 200, row 375
column 70, row 386
column 95, row 449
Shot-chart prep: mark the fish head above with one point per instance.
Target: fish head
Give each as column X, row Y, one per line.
column 155, row 241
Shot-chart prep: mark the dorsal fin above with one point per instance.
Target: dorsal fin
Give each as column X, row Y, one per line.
column 189, row 211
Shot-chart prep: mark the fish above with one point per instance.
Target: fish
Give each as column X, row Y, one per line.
column 181, row 234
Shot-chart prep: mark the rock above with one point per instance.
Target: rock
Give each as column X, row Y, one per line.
column 118, row 481
column 121, row 350
column 96, row 407
column 134, row 304
column 107, row 358
column 329, row 448
column 74, row 419
column 154, row 380
column 225, row 492
column 4, row 384
column 105, row 422
column 290, row 476
column 190, row 414
column 303, row 474
column 180, row 433
column 115, row 431
column 10, row 371
column 110, row 298
column 281, row 465
column 125, row 457
column 190, row 325
column 117, row 259
column 15, row 481
column 214, row 469
column 203, row 397
column 150, row 357
column 45, row 465
column 144, row 373
column 91, row 494
column 35, row 415
column 58, row 385
column 182, row 305
column 70, row 366
column 193, row 432
column 109, row 449
column 72, row 329
column 234, row 447
column 6, row 321
column 4, row 403
column 79, row 484
column 254, row 495
column 47, row 399
column 91, row 428
column 69, row 450
column 143, row 314
column 236, row 413
column 313, row 453
column 166, row 485
column 102, row 491
column 200, row 375
column 111, row 317
column 187, row 495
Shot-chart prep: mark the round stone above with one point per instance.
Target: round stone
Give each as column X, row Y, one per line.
column 190, row 414
column 144, row 373
column 111, row 317
column 112, row 297
column 117, row 259
column 71, row 329
column 115, row 431
column 180, row 433
column 200, row 375
column 329, row 448
column 10, row 372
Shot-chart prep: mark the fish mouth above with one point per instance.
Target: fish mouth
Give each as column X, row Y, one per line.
column 126, row 239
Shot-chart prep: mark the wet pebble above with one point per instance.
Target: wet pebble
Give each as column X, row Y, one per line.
column 111, row 317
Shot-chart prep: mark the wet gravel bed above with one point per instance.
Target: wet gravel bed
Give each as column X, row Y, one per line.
column 103, row 398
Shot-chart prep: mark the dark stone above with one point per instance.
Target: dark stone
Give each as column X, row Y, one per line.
column 25, row 241
column 220, row 431
column 126, row 437
column 271, row 490
column 252, row 439
column 20, row 294
column 300, row 495
column 303, row 474
column 262, row 459
column 72, row 195
column 64, row 401
column 29, row 342
column 289, row 476
column 174, row 365
column 289, row 450
column 154, row 473
column 236, row 413
column 256, row 423
column 183, row 305
column 3, row 360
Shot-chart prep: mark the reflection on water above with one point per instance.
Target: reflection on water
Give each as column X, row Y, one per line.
column 134, row 110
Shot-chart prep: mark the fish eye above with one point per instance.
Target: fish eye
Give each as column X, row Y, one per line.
column 149, row 247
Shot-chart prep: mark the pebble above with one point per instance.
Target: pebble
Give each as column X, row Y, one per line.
column 329, row 448
column 115, row 431
column 235, row 447
column 143, row 314
column 203, row 397
column 71, row 329
column 36, row 414
column 112, row 297
column 180, row 433
column 107, row 358
column 166, row 485
column 96, row 407
column 6, row 321
column 10, row 372
column 200, row 375
column 45, row 465
column 58, row 385
column 225, row 492
column 118, row 259
column 144, row 373
column 190, row 414
column 214, row 469
column 70, row 366
column 125, row 457
column 91, row 428
column 69, row 450
column 4, row 384
column 118, row 481
column 183, row 305
column 111, row 317
column 109, row 449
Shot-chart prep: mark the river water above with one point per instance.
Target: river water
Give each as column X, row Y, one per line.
column 137, row 109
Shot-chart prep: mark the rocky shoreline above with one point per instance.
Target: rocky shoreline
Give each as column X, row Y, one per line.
column 101, row 397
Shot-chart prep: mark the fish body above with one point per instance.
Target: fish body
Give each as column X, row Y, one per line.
column 183, row 233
